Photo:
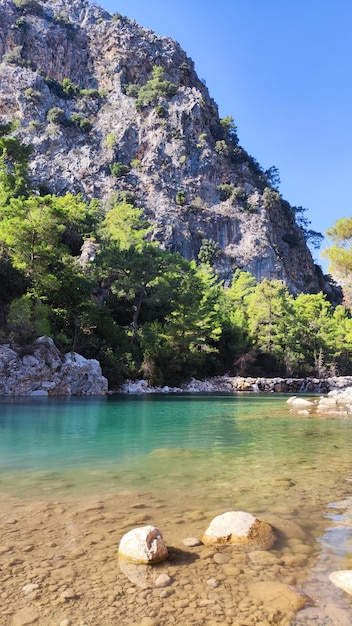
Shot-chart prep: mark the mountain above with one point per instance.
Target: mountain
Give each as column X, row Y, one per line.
column 114, row 111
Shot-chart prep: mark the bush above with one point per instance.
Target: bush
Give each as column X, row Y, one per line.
column 222, row 148
column 69, row 89
column 62, row 19
column 56, row 115
column 201, row 140
column 239, row 196
column 81, row 122
column 225, row 191
column 29, row 6
column 160, row 111
column 136, row 164
column 15, row 57
column 32, row 94
column 271, row 198
column 111, row 140
column 90, row 93
column 157, row 87
column 119, row 169
column 131, row 90
column 209, row 251
column 180, row 198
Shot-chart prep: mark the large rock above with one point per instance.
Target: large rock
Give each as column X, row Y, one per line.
column 44, row 372
column 242, row 529
column 143, row 545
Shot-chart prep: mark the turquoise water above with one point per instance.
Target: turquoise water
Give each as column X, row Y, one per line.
column 51, row 433
column 182, row 459
column 131, row 440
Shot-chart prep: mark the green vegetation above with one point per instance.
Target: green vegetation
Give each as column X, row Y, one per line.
column 56, row 115
column 67, row 89
column 118, row 169
column 160, row 111
column 141, row 310
column 29, row 6
column 111, row 140
column 15, row 57
column 158, row 87
column 180, row 198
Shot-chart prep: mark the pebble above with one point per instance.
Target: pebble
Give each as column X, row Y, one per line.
column 192, row 542
column 212, row 582
column 30, row 588
column 220, row 558
column 163, row 580
column 68, row 594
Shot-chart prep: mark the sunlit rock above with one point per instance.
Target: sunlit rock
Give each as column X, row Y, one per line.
column 242, row 529
column 143, row 545
column 300, row 403
column 342, row 579
column 279, row 596
column 44, row 372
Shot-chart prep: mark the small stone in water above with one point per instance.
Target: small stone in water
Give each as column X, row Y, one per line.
column 68, row 594
column 191, row 542
column 212, row 582
column 163, row 580
column 30, row 588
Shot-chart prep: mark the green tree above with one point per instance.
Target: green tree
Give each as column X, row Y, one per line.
column 157, row 87
column 270, row 321
column 313, row 330
column 339, row 253
column 184, row 342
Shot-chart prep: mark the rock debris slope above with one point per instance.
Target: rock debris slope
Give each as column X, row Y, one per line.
column 114, row 111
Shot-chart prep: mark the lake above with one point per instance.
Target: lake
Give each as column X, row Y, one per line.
column 176, row 461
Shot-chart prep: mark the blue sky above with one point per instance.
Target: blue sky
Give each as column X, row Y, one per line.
column 282, row 70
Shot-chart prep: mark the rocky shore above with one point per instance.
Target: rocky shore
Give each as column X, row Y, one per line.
column 336, row 402
column 230, row 384
column 40, row 370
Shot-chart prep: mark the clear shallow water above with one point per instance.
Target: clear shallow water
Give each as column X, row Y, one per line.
column 186, row 458
column 143, row 437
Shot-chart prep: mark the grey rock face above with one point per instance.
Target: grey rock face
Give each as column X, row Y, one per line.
column 45, row 373
column 179, row 156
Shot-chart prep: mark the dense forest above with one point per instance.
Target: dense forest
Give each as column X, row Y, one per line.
column 94, row 281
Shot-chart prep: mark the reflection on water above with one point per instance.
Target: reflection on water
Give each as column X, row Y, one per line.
column 209, row 453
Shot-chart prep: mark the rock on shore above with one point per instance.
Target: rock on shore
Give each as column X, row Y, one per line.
column 42, row 371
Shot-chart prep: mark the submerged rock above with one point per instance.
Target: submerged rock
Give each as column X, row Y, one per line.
column 278, row 596
column 242, row 529
column 143, row 545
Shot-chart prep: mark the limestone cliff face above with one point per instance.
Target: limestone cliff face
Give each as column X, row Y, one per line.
column 182, row 165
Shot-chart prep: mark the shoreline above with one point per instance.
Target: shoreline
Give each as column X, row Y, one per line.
column 234, row 384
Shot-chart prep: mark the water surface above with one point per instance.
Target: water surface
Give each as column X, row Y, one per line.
column 199, row 453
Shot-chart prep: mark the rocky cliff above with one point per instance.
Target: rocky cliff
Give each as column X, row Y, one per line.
column 114, row 111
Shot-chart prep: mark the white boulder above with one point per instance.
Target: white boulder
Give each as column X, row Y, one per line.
column 241, row 529
column 300, row 403
column 342, row 579
column 143, row 545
